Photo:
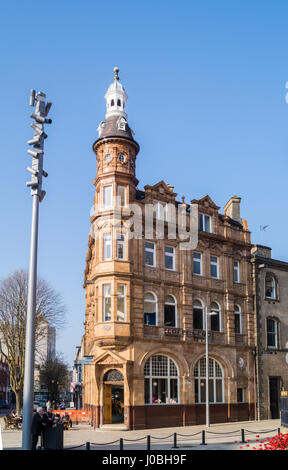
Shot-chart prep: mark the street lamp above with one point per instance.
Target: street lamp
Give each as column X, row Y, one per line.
column 207, row 366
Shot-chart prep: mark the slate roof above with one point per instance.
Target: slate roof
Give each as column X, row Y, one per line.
column 110, row 129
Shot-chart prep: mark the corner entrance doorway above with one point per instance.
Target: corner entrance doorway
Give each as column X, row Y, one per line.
column 113, row 384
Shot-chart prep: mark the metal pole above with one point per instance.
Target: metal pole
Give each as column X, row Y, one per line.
column 28, row 393
column 40, row 115
column 207, row 372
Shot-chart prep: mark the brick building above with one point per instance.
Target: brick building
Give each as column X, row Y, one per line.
column 146, row 297
column 270, row 280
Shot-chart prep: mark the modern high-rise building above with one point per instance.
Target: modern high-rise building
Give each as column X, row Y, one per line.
column 148, row 295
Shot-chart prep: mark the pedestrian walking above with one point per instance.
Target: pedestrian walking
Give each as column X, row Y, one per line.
column 37, row 427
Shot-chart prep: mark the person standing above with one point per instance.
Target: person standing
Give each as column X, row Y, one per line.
column 37, row 426
column 48, row 405
column 62, row 406
column 48, row 418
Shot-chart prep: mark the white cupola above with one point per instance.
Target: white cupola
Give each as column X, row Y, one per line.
column 116, row 98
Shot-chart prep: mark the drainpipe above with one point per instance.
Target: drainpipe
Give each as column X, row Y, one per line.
column 255, row 351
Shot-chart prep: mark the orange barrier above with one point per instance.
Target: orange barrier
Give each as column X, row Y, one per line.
column 75, row 415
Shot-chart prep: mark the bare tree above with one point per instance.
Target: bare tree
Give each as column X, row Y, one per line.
column 13, row 313
column 54, row 374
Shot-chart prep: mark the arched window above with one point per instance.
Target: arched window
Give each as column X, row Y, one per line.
column 161, row 380
column 118, row 102
column 112, row 102
column 198, row 315
column 270, row 287
column 170, row 311
column 216, row 381
column 272, row 333
column 113, row 375
column 150, row 309
column 215, row 319
column 237, row 319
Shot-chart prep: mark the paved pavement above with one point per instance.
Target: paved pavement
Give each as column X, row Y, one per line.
column 217, row 437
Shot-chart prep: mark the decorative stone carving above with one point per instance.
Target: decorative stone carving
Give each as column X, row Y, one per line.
column 113, row 375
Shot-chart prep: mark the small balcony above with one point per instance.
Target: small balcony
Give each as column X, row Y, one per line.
column 181, row 334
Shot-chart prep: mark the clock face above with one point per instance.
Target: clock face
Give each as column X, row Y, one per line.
column 241, row 362
column 108, row 158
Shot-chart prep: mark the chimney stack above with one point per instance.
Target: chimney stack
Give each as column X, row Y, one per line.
column 232, row 208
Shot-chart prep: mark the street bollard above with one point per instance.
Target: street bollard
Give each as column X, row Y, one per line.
column 87, row 445
column 243, row 436
column 175, row 441
column 203, row 443
column 148, row 442
column 121, row 443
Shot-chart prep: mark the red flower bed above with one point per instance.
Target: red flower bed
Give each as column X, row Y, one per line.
column 278, row 442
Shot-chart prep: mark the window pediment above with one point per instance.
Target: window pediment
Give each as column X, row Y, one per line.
column 206, row 202
column 161, row 191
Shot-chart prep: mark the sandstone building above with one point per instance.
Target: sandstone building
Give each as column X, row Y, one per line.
column 146, row 298
column 270, row 280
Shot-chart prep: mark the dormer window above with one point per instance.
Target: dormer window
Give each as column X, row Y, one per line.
column 101, row 127
column 122, row 124
column 205, row 223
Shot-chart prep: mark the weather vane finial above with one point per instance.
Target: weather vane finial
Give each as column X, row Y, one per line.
column 116, row 70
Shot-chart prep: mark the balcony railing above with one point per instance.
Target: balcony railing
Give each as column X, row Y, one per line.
column 182, row 334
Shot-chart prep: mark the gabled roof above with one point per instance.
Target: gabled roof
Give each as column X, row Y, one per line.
column 206, row 201
column 162, row 187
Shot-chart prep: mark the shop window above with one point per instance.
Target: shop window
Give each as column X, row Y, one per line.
column 216, row 381
column 161, row 381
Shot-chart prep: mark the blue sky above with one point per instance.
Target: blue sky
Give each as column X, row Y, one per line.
column 206, row 85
